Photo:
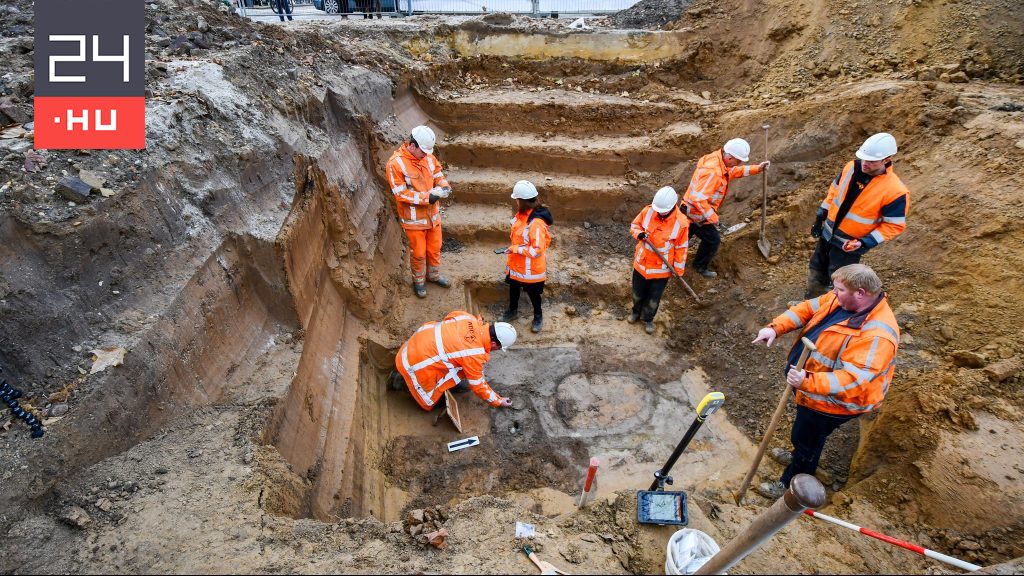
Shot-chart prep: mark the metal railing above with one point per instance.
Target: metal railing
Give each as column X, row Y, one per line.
column 265, row 10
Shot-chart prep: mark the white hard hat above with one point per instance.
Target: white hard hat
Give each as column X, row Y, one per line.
column 424, row 138
column 665, row 200
column 506, row 334
column 877, row 147
column 738, row 148
column 524, row 190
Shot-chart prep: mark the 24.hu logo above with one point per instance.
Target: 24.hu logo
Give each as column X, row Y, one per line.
column 90, row 74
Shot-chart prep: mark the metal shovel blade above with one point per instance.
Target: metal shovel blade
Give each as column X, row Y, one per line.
column 764, row 246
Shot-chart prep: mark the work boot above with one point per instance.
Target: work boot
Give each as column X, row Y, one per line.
column 420, row 289
column 395, row 381
column 781, row 455
column 707, row 273
column 633, row 317
column 538, row 323
column 440, row 281
column 771, row 490
column 509, row 316
column 815, row 287
column 649, row 327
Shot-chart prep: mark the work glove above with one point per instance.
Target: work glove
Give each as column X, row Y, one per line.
column 816, row 228
column 433, row 198
column 441, row 192
column 641, row 236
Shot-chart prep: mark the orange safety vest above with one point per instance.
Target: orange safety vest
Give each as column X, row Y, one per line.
column 411, row 181
column 441, row 353
column 709, row 186
column 670, row 237
column 527, row 261
column 878, row 214
column 851, row 371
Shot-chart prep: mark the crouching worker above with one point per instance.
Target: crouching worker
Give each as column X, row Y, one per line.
column 450, row 355
column 664, row 227
column 856, row 335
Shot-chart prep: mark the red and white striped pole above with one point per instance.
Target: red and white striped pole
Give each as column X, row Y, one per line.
column 897, row 542
column 589, row 482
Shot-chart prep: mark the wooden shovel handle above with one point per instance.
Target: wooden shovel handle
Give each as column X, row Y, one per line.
column 776, row 417
column 673, row 272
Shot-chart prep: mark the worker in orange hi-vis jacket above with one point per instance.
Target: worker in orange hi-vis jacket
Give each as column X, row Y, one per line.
column 450, row 355
column 708, row 188
column 856, row 336
column 662, row 225
column 526, row 266
column 866, row 204
column 417, row 182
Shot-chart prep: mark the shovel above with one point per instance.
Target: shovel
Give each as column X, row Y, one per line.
column 780, row 408
column 545, row 567
column 762, row 243
column 672, row 271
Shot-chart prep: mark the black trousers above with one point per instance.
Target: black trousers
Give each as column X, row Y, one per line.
column 532, row 289
column 282, row 7
column 826, row 259
column 647, row 295
column 810, row 431
column 710, row 240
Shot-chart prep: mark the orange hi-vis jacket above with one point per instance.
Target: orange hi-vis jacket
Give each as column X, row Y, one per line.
column 710, row 184
column 411, row 181
column 670, row 236
column 878, row 214
column 441, row 353
column 527, row 261
column 851, row 371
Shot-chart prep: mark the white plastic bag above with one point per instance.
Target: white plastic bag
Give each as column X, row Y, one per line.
column 688, row 550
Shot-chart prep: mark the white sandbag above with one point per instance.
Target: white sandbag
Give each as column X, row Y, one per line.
column 688, row 550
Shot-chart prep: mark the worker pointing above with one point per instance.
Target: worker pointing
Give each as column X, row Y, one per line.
column 662, row 226
column 708, row 188
column 450, row 355
column 417, row 182
column 856, row 335
column 866, row 205
column 526, row 267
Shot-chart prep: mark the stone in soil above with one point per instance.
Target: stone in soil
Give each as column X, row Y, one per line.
column 74, row 189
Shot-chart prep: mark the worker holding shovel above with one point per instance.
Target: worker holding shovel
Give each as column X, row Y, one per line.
column 662, row 238
column 708, row 188
column 847, row 374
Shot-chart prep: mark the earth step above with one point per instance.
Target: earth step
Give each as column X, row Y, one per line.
column 478, row 223
column 572, row 198
column 557, row 111
column 597, row 155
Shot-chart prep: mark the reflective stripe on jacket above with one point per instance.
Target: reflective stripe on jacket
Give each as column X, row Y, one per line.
column 878, row 214
column 851, row 371
column 411, row 181
column 441, row 353
column 670, row 237
column 709, row 186
column 529, row 241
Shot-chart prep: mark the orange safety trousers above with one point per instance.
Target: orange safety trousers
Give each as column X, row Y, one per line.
column 424, row 253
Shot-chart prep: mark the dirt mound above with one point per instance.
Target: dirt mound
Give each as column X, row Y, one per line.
column 650, row 14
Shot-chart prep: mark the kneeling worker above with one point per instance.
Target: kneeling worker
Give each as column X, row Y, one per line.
column 451, row 354
column 666, row 228
column 856, row 334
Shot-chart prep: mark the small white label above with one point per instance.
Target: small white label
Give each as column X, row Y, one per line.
column 524, row 530
column 465, row 443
